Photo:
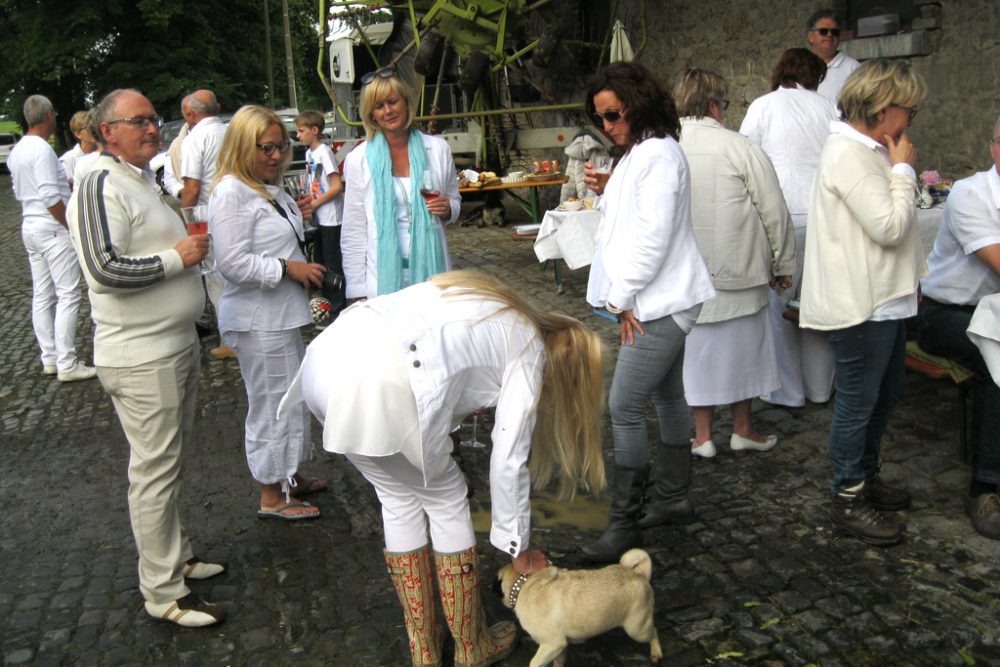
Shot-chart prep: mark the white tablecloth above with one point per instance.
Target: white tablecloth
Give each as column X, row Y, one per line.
column 928, row 220
column 984, row 331
column 568, row 236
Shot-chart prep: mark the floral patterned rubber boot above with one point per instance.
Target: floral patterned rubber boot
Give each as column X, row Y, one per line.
column 414, row 582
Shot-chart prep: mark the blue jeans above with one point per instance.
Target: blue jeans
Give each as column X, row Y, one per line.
column 870, row 376
column 942, row 332
column 649, row 370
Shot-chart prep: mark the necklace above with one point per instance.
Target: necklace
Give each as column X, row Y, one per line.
column 400, row 191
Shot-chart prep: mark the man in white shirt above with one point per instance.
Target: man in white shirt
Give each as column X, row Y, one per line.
column 963, row 267
column 823, row 35
column 199, row 155
column 41, row 185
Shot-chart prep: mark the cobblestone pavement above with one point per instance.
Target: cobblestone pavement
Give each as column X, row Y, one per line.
column 758, row 579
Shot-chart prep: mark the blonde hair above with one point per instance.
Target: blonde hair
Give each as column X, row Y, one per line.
column 566, row 442
column 238, row 155
column 379, row 89
column 78, row 122
column 695, row 89
column 876, row 85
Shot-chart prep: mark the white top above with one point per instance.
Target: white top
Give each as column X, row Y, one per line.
column 39, row 182
column 84, row 166
column 200, row 153
column 69, row 158
column 837, row 71
column 791, row 124
column 320, row 164
column 460, row 354
column 646, row 257
column 250, row 238
column 863, row 254
column 971, row 222
column 359, row 238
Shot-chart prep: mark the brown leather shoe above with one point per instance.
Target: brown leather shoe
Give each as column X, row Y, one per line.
column 984, row 510
column 190, row 611
column 222, row 352
column 854, row 515
column 883, row 497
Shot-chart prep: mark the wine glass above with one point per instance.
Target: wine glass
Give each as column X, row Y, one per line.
column 474, row 442
column 194, row 221
column 428, row 189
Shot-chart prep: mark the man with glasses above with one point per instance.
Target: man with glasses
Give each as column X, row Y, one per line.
column 145, row 298
column 963, row 267
column 823, row 34
column 41, row 185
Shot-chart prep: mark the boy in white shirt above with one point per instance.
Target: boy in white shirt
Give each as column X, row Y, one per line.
column 327, row 192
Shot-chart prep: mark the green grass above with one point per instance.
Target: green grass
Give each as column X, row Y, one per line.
column 10, row 126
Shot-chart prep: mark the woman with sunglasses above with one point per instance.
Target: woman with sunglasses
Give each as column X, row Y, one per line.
column 401, row 190
column 648, row 272
column 862, row 263
column 258, row 240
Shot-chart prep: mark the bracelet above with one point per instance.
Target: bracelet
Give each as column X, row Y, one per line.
column 614, row 310
column 284, row 267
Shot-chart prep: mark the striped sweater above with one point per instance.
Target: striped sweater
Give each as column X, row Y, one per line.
column 143, row 301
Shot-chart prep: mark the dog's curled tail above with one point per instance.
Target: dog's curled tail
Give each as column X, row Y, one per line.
column 638, row 560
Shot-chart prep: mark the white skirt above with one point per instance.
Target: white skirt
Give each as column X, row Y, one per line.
column 731, row 361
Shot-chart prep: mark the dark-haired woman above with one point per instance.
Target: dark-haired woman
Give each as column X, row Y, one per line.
column 648, row 271
column 791, row 123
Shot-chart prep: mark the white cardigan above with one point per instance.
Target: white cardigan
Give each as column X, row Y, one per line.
column 359, row 237
column 647, row 259
column 863, row 248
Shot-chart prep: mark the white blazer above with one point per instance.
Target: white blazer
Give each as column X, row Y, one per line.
column 359, row 237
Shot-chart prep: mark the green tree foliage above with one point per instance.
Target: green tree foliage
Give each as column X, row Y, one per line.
column 75, row 52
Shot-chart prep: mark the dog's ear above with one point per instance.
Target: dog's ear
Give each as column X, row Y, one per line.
column 498, row 586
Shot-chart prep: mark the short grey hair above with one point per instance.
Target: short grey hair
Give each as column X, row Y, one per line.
column 106, row 107
column 36, row 109
column 825, row 13
column 203, row 103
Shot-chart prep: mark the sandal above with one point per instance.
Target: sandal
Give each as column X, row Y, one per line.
column 285, row 512
column 306, row 486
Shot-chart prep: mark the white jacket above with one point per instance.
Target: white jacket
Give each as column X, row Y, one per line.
column 359, row 237
column 647, row 259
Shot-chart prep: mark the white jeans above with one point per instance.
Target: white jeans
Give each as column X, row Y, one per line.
column 55, row 278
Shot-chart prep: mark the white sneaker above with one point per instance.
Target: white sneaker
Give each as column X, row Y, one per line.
column 738, row 442
column 78, row 371
column 705, row 450
column 49, row 369
column 190, row 611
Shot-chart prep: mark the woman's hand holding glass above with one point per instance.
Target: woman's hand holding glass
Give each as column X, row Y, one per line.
column 436, row 204
column 597, row 173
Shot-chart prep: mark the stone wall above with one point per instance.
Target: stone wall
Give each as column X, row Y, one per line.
column 742, row 40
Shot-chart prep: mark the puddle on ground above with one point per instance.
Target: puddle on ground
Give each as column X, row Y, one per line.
column 585, row 512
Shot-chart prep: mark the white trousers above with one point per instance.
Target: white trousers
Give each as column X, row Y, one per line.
column 409, row 506
column 805, row 357
column 55, row 278
column 155, row 404
column 269, row 361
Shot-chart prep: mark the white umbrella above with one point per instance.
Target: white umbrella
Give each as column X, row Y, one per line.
column 621, row 48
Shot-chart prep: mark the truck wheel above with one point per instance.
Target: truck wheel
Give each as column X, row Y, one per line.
column 428, row 58
column 473, row 72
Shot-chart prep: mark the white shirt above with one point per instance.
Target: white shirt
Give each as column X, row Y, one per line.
column 39, row 182
column 85, row 165
column 69, row 158
column 200, row 153
column 320, row 164
column 646, row 256
column 791, row 124
column 971, row 222
column 249, row 238
column 837, row 71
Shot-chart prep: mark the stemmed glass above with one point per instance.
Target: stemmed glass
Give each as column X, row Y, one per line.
column 194, row 220
column 474, row 442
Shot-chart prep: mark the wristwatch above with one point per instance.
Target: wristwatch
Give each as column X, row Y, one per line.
column 284, row 267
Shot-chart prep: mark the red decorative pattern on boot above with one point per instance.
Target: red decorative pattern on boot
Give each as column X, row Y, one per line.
column 414, row 583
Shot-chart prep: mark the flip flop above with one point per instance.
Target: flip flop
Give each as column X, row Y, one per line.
column 282, row 513
column 309, row 485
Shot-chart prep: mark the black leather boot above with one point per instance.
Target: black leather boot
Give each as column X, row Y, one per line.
column 622, row 532
column 667, row 499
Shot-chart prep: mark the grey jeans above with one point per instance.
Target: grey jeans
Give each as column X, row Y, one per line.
column 649, row 370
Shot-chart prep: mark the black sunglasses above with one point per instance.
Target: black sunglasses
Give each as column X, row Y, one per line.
column 381, row 73
column 826, row 32
column 609, row 116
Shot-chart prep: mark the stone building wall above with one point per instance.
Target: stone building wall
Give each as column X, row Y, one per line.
column 742, row 40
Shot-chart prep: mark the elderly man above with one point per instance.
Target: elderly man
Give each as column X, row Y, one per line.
column 41, row 185
column 823, row 34
column 145, row 298
column 963, row 267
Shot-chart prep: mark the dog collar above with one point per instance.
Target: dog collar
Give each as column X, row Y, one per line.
column 515, row 590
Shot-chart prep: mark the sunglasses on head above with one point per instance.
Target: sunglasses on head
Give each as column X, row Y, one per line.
column 381, row 73
column 827, row 32
column 609, row 116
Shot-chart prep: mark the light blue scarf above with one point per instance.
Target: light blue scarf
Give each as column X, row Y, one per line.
column 426, row 252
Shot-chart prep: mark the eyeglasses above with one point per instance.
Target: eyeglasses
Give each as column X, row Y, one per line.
column 609, row 116
column 912, row 111
column 141, row 122
column 268, row 149
column 381, row 73
column 827, row 32
column 724, row 103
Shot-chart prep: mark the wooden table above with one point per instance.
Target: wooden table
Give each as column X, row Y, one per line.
column 530, row 203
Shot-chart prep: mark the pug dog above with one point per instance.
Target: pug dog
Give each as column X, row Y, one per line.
column 558, row 606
